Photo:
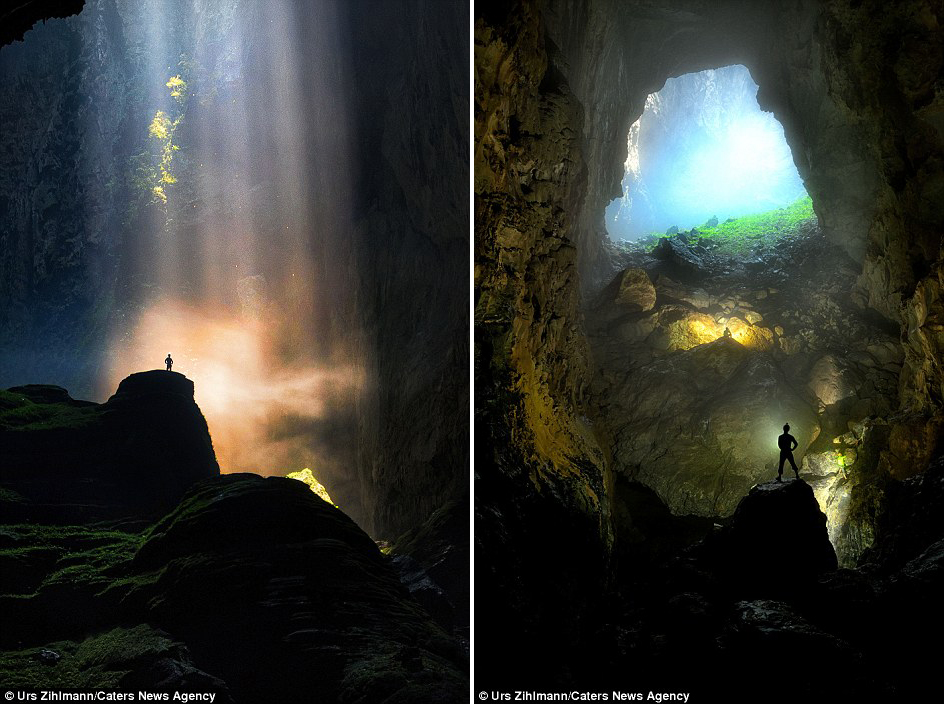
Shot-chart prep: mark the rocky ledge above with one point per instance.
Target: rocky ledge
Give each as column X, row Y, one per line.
column 63, row 460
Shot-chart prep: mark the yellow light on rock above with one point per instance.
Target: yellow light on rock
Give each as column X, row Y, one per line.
column 305, row 476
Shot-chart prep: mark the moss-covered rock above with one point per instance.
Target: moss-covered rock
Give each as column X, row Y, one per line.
column 121, row 658
column 263, row 561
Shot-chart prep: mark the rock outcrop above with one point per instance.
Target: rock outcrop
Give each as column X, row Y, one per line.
column 776, row 542
column 251, row 587
column 72, row 460
column 16, row 21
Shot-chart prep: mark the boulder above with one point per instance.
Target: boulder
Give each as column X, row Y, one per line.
column 636, row 292
column 775, row 543
column 831, row 380
column 631, row 291
column 679, row 261
column 246, row 559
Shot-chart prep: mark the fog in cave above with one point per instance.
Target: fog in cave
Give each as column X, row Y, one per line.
column 702, row 148
column 211, row 143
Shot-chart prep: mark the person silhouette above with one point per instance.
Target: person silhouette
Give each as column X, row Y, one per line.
column 787, row 444
column 169, row 362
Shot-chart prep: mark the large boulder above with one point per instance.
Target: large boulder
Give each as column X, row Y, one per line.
column 246, row 559
column 635, row 292
column 679, row 261
column 775, row 543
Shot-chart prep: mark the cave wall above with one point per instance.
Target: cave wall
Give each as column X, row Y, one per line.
column 410, row 256
column 16, row 20
column 68, row 110
column 867, row 141
column 541, row 525
column 857, row 87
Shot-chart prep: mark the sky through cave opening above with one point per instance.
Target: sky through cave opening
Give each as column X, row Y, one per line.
column 702, row 149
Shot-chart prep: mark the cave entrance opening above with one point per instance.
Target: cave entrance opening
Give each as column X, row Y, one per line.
column 703, row 153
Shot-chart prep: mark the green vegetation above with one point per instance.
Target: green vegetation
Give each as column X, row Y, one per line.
column 317, row 488
column 20, row 413
column 71, row 555
column 162, row 128
column 738, row 236
column 99, row 662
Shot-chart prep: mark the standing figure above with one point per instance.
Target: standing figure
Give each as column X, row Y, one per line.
column 170, row 363
column 787, row 445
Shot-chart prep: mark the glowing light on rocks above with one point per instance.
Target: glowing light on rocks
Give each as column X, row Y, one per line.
column 262, row 415
column 317, row 488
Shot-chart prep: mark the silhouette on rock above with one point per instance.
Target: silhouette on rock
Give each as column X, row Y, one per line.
column 787, row 444
column 134, row 455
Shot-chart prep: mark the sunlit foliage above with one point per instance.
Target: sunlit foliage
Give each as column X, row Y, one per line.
column 160, row 126
column 773, row 223
column 162, row 129
column 178, row 88
column 739, row 236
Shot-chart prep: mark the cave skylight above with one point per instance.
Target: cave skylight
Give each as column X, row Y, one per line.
column 702, row 149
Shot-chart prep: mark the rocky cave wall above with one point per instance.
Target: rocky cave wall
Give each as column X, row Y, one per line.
column 558, row 85
column 866, row 142
column 540, row 471
column 411, row 254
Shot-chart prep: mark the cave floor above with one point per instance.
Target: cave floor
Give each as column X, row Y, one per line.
column 700, row 362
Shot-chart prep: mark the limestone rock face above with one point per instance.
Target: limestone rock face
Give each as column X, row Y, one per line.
column 540, row 467
column 910, row 519
column 409, row 259
column 700, row 426
column 831, row 381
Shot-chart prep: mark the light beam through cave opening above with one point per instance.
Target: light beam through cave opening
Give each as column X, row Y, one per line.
column 702, row 149
column 240, row 216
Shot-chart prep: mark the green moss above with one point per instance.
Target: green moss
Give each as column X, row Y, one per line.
column 20, row 413
column 121, row 645
column 741, row 235
column 67, row 555
column 11, row 496
column 388, row 672
column 98, row 662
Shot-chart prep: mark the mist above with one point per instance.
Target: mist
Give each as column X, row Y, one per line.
column 702, row 148
column 215, row 169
